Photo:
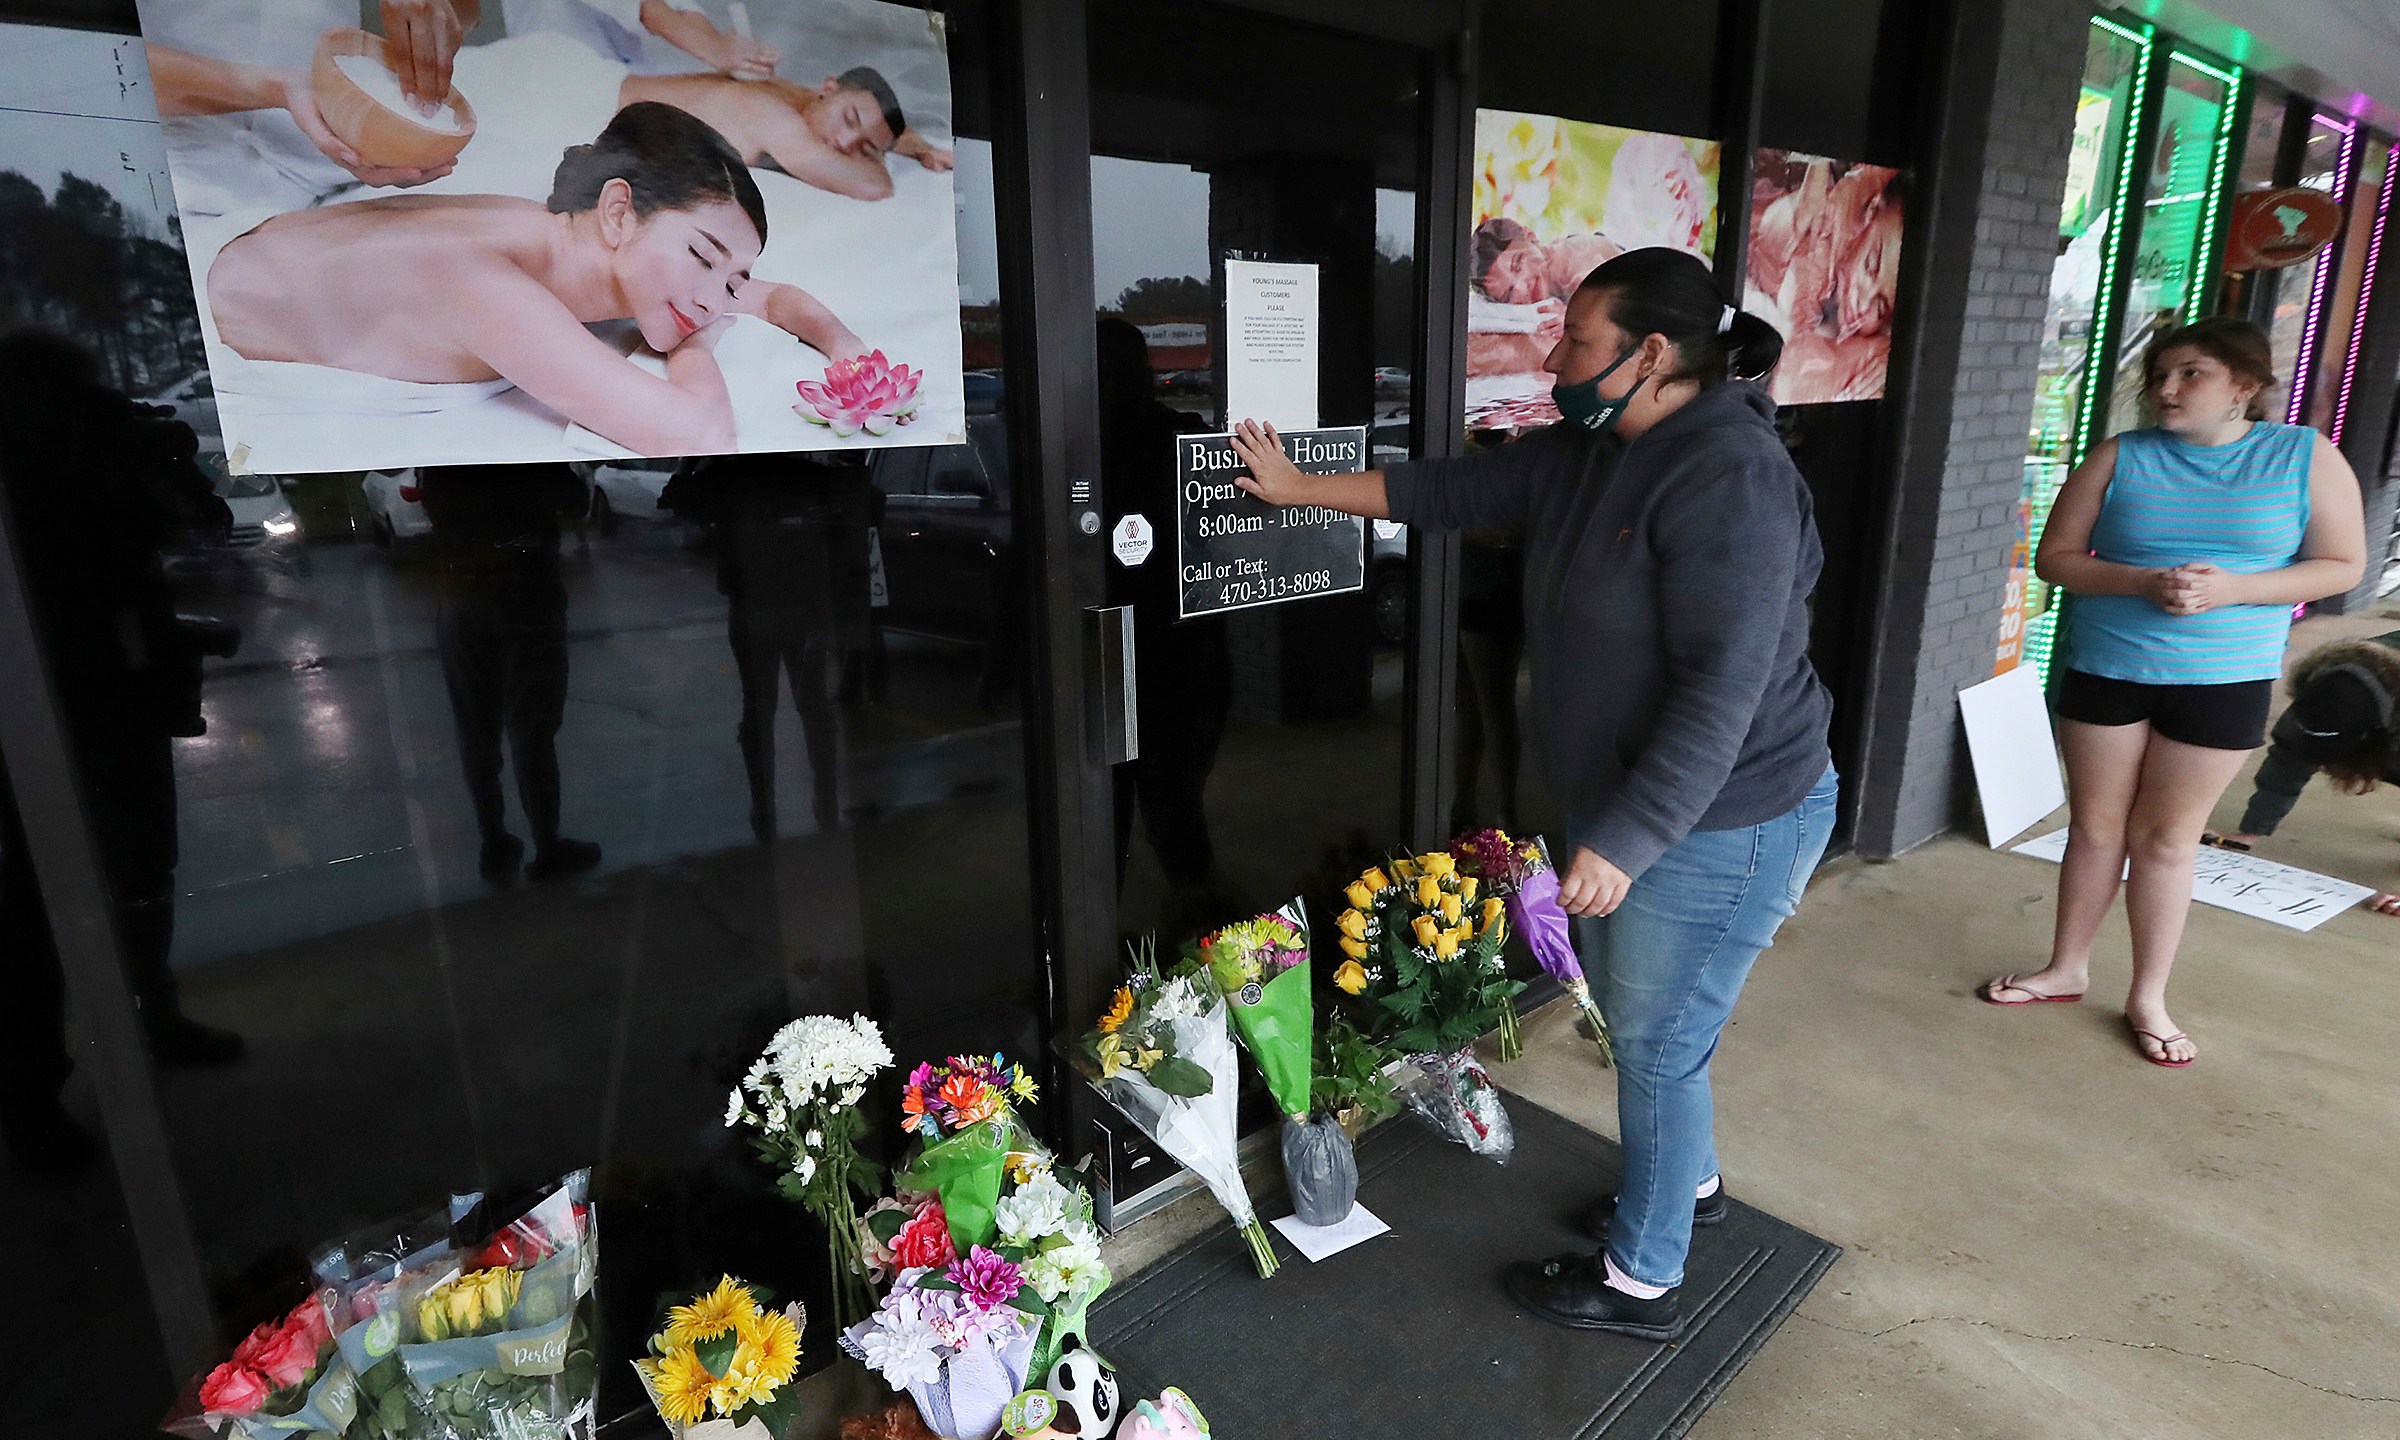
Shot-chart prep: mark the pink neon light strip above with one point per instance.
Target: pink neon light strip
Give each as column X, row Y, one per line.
column 2305, row 364
column 2366, row 289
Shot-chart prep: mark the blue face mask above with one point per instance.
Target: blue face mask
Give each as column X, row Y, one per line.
column 1585, row 407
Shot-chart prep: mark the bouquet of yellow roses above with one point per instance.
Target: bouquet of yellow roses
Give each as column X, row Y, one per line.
column 724, row 1354
column 1424, row 942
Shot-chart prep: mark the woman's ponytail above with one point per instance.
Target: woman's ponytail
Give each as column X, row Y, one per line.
column 1657, row 291
column 1751, row 346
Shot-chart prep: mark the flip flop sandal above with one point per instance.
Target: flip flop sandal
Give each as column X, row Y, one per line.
column 2009, row 982
column 2162, row 1042
column 2221, row 842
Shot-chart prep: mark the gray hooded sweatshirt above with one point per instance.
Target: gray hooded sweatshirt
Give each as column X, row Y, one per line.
column 1667, row 581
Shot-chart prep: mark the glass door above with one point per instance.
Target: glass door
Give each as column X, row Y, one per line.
column 1271, row 737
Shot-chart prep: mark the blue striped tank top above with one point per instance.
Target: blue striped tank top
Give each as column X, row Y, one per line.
column 2242, row 507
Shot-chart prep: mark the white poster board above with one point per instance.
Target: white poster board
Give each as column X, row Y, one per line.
column 2284, row 895
column 1271, row 344
column 2016, row 758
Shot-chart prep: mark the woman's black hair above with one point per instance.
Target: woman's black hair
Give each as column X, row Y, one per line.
column 1658, row 291
column 671, row 159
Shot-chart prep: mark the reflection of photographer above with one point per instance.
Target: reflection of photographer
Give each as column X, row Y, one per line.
column 97, row 486
column 2340, row 723
column 792, row 537
column 502, row 631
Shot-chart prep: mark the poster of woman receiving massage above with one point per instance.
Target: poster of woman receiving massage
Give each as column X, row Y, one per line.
column 524, row 230
column 1553, row 199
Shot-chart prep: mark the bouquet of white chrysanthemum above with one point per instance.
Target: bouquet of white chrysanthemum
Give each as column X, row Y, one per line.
column 802, row 1098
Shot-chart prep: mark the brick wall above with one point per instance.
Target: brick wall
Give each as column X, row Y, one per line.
column 2003, row 122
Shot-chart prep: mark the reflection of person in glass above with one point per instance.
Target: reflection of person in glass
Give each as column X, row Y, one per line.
column 502, row 629
column 657, row 221
column 96, row 485
column 1183, row 682
column 793, row 563
column 1670, row 549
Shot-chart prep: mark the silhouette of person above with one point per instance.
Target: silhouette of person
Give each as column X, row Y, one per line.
column 502, row 631
column 96, row 486
column 793, row 564
column 1183, row 670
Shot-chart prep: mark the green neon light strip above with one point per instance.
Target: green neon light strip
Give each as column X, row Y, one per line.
column 2212, row 215
column 2099, row 366
column 2139, row 37
column 2230, row 77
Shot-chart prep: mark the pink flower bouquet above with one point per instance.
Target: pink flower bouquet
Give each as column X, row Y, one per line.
column 959, row 1340
column 867, row 393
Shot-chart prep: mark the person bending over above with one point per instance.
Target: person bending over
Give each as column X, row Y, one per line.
column 657, row 221
column 834, row 136
column 2340, row 723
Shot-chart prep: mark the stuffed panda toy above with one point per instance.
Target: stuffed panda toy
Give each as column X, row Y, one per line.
column 1085, row 1387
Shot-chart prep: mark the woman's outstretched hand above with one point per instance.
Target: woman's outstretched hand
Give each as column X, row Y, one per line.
column 1273, row 477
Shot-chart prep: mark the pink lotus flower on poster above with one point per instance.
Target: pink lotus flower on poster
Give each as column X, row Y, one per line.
column 868, row 393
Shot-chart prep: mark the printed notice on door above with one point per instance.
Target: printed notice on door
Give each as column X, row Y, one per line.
column 1234, row 551
column 1271, row 344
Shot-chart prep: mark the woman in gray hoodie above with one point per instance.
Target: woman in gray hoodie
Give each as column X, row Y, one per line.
column 1670, row 550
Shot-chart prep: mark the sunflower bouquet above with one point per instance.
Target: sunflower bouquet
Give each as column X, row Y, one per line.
column 964, row 1113
column 1521, row 873
column 1424, row 942
column 1163, row 1055
column 801, row 1100
column 725, row 1355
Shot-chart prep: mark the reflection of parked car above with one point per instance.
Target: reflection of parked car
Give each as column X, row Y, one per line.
column 629, row 490
column 945, row 533
column 265, row 527
column 194, row 401
column 395, row 516
column 1391, row 382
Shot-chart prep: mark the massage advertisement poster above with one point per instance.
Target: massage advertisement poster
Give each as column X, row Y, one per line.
column 625, row 227
column 1553, row 200
column 1825, row 271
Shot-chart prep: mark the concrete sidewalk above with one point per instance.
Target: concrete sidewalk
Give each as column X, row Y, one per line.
column 2049, row 1239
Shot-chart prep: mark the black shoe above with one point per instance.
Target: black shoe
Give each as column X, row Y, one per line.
column 1596, row 1217
column 501, row 857
column 1573, row 1290
column 44, row 1139
column 561, row 859
column 182, row 1043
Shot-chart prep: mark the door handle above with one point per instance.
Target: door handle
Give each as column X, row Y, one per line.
column 1112, row 718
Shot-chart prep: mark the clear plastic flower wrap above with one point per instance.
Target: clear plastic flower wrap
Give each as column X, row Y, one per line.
column 1455, row 1095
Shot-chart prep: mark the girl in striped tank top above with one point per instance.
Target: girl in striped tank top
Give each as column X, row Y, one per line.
column 2185, row 546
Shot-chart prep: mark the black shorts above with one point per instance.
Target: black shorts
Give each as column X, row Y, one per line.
column 2213, row 717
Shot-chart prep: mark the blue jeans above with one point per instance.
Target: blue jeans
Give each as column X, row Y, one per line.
column 1667, row 968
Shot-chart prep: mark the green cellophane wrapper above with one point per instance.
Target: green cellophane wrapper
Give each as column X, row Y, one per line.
column 1279, row 1032
column 1070, row 1316
column 966, row 1170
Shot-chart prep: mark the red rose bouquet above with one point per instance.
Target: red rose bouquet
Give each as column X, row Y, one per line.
column 285, row 1378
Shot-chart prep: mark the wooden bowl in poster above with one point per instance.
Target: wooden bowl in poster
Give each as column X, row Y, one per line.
column 381, row 135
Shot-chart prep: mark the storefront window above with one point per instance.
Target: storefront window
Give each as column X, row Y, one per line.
column 2345, row 313
column 2179, row 226
column 1591, row 62
column 518, row 806
column 2300, row 291
column 2116, row 64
